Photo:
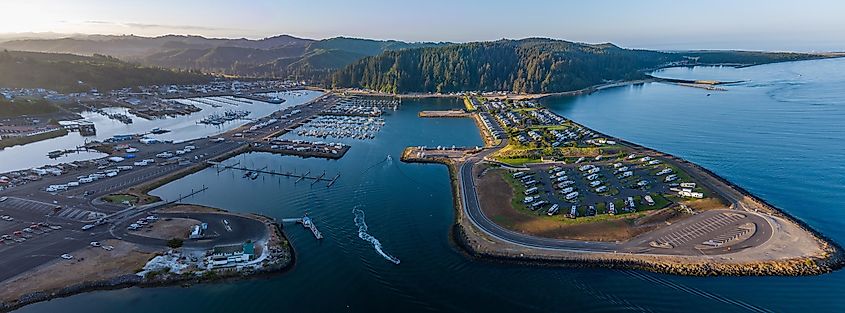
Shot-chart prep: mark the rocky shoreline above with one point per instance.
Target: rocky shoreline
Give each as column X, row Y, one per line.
column 164, row 280
column 479, row 247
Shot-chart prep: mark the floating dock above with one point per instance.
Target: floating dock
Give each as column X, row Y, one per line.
column 300, row 177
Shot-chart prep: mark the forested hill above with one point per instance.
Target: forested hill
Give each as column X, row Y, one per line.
column 526, row 66
column 74, row 73
column 280, row 56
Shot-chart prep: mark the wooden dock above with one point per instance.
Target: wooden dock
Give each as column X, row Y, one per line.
column 299, row 177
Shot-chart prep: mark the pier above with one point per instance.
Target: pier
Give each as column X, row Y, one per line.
column 448, row 113
column 306, row 222
column 299, row 177
column 303, row 149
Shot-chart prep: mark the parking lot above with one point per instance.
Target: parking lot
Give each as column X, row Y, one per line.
column 613, row 185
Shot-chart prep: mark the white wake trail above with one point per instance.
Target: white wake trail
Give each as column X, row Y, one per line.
column 362, row 233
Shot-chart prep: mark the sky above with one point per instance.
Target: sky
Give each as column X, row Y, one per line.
column 798, row 25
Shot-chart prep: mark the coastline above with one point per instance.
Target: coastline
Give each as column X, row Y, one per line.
column 166, row 280
column 528, row 96
column 280, row 258
column 477, row 245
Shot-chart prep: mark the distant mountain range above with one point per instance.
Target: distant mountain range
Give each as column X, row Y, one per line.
column 280, row 56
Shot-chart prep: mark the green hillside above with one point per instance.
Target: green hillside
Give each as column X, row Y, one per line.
column 533, row 65
column 72, row 73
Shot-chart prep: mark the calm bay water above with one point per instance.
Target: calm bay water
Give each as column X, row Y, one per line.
column 181, row 128
column 778, row 134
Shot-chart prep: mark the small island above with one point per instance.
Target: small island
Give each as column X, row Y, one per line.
column 547, row 190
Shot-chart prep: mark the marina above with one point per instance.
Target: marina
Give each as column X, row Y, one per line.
column 362, row 107
column 303, row 148
column 250, row 173
column 411, row 216
column 329, row 126
column 228, row 116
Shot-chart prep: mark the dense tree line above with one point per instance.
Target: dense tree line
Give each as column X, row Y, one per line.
column 525, row 66
column 64, row 72
column 529, row 66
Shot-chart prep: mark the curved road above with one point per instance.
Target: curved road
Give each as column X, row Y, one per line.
column 239, row 230
column 472, row 209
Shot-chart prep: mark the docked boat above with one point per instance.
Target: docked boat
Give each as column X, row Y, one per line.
column 55, row 154
column 158, row 131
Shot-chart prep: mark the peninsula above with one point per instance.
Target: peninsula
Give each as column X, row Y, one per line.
column 546, row 190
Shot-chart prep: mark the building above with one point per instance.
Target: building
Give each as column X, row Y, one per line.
column 198, row 231
column 231, row 256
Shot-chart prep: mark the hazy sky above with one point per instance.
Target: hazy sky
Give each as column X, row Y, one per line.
column 712, row 24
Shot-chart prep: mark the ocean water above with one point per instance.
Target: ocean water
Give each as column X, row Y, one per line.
column 777, row 134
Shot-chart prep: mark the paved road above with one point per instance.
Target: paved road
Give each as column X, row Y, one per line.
column 472, row 209
column 239, row 231
column 16, row 258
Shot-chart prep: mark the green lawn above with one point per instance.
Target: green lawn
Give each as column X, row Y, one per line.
column 25, row 106
column 120, row 198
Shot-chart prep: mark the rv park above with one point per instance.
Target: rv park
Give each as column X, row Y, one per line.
column 546, row 190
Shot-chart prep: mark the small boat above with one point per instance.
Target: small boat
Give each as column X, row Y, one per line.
column 55, row 154
column 159, row 131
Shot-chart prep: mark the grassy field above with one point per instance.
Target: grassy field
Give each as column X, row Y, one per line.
column 518, row 191
column 25, row 106
column 119, row 198
column 468, row 104
column 14, row 141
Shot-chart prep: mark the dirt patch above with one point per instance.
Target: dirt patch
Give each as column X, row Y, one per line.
column 704, row 204
column 168, row 228
column 88, row 264
column 496, row 196
column 189, row 208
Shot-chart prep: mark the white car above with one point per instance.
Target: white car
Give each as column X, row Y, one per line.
column 95, row 244
column 108, row 248
column 67, row 256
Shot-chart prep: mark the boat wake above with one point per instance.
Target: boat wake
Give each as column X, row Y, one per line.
column 388, row 160
column 698, row 292
column 362, row 233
